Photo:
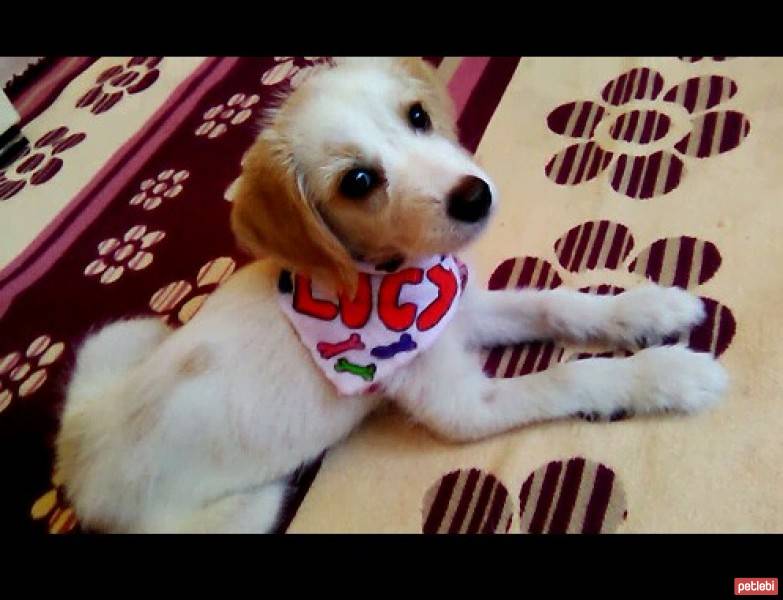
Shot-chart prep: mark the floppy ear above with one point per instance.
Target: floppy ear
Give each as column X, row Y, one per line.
column 271, row 216
column 436, row 97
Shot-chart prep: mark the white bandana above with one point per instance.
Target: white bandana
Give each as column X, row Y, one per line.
column 392, row 318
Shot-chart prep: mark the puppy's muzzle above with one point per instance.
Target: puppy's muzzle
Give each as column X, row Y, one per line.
column 470, row 200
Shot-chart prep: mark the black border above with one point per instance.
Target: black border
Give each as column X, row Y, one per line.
column 627, row 566
column 530, row 566
column 588, row 29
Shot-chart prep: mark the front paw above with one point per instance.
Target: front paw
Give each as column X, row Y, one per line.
column 645, row 315
column 676, row 378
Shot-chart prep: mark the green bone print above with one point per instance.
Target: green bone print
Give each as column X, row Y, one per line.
column 365, row 372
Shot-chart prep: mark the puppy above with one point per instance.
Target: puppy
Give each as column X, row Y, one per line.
column 356, row 194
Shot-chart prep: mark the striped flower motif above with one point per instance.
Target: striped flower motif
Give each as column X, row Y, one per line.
column 114, row 83
column 694, row 59
column 681, row 261
column 38, row 164
column 467, row 501
column 23, row 373
column 54, row 510
column 573, row 496
column 116, row 256
column 521, row 359
column 292, row 69
column 644, row 135
column 234, row 111
column 178, row 301
column 152, row 192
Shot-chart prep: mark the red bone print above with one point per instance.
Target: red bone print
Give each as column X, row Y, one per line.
column 328, row 350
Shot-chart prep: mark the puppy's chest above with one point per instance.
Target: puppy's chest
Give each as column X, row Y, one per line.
column 358, row 342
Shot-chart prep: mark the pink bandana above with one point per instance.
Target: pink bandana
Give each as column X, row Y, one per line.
column 393, row 317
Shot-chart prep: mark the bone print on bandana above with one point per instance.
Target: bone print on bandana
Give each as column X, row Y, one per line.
column 393, row 317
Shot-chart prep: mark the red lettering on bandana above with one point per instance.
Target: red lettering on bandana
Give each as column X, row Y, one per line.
column 307, row 305
column 395, row 316
column 355, row 313
column 447, row 290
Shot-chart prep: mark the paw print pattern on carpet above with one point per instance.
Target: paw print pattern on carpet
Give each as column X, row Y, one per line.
column 564, row 496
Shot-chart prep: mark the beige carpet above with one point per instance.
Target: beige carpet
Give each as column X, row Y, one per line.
column 716, row 472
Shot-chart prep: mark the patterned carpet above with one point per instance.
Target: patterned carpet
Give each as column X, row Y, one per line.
column 120, row 207
column 612, row 171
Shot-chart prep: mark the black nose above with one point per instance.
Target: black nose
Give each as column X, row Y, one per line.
column 470, row 200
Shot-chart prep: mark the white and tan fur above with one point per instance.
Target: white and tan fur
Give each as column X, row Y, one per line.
column 197, row 429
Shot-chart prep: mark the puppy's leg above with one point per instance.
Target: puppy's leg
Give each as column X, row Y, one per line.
column 255, row 511
column 644, row 314
column 445, row 391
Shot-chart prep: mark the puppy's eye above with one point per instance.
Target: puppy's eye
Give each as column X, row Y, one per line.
column 418, row 117
column 357, row 183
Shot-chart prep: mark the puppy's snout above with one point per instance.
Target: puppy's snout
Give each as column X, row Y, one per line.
column 470, row 200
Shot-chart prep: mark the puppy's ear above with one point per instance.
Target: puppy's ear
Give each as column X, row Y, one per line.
column 436, row 97
column 272, row 216
column 418, row 67
column 362, row 61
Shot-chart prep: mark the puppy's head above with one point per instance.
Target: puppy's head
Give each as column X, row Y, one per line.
column 360, row 163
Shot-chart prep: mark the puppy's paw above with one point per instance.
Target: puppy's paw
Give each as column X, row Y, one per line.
column 646, row 315
column 676, row 378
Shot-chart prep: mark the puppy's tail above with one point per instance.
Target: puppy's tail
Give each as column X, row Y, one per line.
column 94, row 405
column 112, row 352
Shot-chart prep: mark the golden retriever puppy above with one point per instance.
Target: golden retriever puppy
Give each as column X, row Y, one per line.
column 355, row 198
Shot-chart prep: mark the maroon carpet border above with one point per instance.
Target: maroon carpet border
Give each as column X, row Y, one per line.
column 484, row 100
column 56, row 91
